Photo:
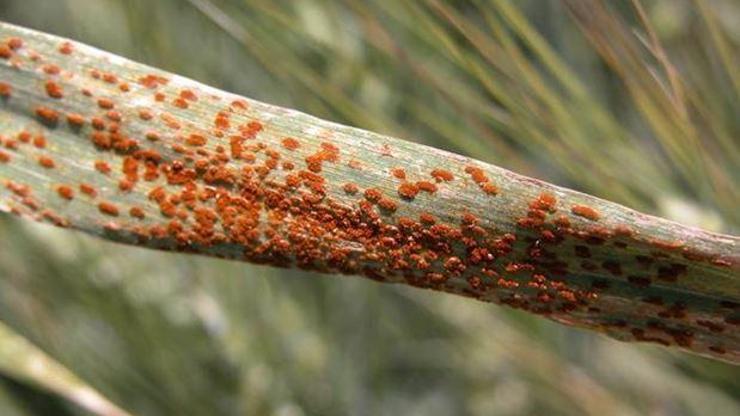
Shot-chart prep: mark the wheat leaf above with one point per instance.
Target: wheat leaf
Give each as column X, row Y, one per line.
column 95, row 142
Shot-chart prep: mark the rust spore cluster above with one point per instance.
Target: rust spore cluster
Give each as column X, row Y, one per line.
column 234, row 182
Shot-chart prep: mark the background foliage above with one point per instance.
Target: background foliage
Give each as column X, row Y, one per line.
column 637, row 104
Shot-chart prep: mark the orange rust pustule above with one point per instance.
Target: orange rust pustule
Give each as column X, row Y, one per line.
column 426, row 186
column 66, row 48
column 54, row 90
column 46, row 162
column 88, row 190
column 5, row 52
column 585, row 212
column 5, row 90
column 477, row 174
column 51, row 69
column 442, row 175
column 75, row 120
column 66, row 192
column 387, row 204
column 47, row 114
column 373, row 194
column 39, row 141
column 398, row 173
column 290, row 143
column 481, row 179
column 14, row 43
column 137, row 212
column 108, row 208
column 180, row 103
column 102, row 167
column 350, row 188
column 545, row 202
column 327, row 153
column 152, row 81
column 106, row 103
column 408, row 190
column 196, row 140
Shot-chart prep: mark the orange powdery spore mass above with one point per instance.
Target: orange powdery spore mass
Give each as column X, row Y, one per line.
column 130, row 165
column 109, row 78
column 180, row 103
column 98, row 123
column 54, row 90
column 290, row 143
column 373, row 194
column 188, row 95
column 75, row 120
column 426, row 186
column 489, row 188
column 585, row 212
column 101, row 140
column 137, row 212
column 113, row 115
column 152, row 136
column 18, row 189
column 157, row 194
column 47, row 114
column 14, row 43
column 152, row 81
column 624, row 230
column 398, row 173
column 387, row 204
column 327, row 153
column 46, row 162
column 145, row 114
column 408, row 190
column 5, row 90
column 108, row 208
column 88, row 190
column 239, row 105
column 196, row 140
column 251, row 129
column 427, row 218
column 477, row 174
column 66, row 48
column 479, row 177
column 350, row 188
column 545, row 202
column 106, row 103
column 125, row 185
column 51, row 69
column 222, row 120
column 442, row 175
column 4, row 157
column 102, row 167
column 39, row 141
column 5, row 52
column 66, row 192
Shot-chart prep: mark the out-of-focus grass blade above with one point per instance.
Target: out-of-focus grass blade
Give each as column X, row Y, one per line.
column 23, row 360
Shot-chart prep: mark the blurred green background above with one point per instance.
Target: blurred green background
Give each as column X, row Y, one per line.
column 635, row 102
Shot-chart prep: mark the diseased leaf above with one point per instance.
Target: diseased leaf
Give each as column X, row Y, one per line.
column 94, row 142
